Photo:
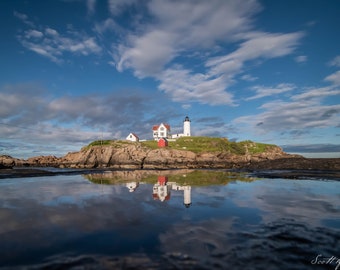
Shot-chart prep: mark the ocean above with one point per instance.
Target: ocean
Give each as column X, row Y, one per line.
column 178, row 219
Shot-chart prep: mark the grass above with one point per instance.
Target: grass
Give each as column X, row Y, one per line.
column 208, row 144
column 113, row 143
column 196, row 145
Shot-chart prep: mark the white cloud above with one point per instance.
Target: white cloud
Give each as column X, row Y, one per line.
column 301, row 59
column 51, row 44
column 262, row 91
column 70, row 119
column 42, row 51
column 182, row 26
column 259, row 45
column 33, row 34
column 51, row 32
column 202, row 23
column 149, row 53
column 335, row 62
column 107, row 25
column 334, row 78
column 186, row 106
column 288, row 116
column 157, row 45
column 14, row 97
column 54, row 45
column 117, row 6
column 301, row 113
column 248, row 78
column 85, row 47
column 316, row 93
column 183, row 86
column 91, row 4
column 24, row 18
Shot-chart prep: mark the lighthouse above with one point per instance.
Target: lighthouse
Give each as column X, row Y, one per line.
column 186, row 126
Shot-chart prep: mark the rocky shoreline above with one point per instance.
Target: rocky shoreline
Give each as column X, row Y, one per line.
column 134, row 156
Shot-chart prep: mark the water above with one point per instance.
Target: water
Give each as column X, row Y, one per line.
column 169, row 220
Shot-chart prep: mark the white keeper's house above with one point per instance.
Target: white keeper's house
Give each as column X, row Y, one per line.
column 161, row 131
column 164, row 130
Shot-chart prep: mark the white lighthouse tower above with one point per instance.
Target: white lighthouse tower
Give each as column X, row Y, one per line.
column 186, row 126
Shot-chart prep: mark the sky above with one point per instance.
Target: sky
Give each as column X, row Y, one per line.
column 75, row 71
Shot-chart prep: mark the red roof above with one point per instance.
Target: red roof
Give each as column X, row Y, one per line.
column 135, row 135
column 167, row 126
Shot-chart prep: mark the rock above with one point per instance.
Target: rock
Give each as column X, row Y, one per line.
column 135, row 156
column 43, row 161
column 106, row 156
column 169, row 158
column 296, row 162
column 7, row 162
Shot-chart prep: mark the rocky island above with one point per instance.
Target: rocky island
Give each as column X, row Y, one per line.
column 184, row 153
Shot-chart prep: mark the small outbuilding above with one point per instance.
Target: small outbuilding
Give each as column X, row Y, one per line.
column 132, row 137
column 162, row 142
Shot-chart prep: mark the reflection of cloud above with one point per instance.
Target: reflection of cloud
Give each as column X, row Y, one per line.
column 310, row 202
column 236, row 226
column 65, row 205
column 201, row 239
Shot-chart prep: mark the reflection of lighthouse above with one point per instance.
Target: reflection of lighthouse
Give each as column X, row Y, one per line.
column 161, row 190
column 187, row 193
column 187, row 196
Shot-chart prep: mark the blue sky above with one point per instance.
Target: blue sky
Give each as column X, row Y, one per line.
column 75, row 71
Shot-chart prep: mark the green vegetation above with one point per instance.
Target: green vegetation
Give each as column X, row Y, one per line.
column 208, row 144
column 101, row 142
column 113, row 143
column 150, row 144
column 194, row 178
column 196, row 145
